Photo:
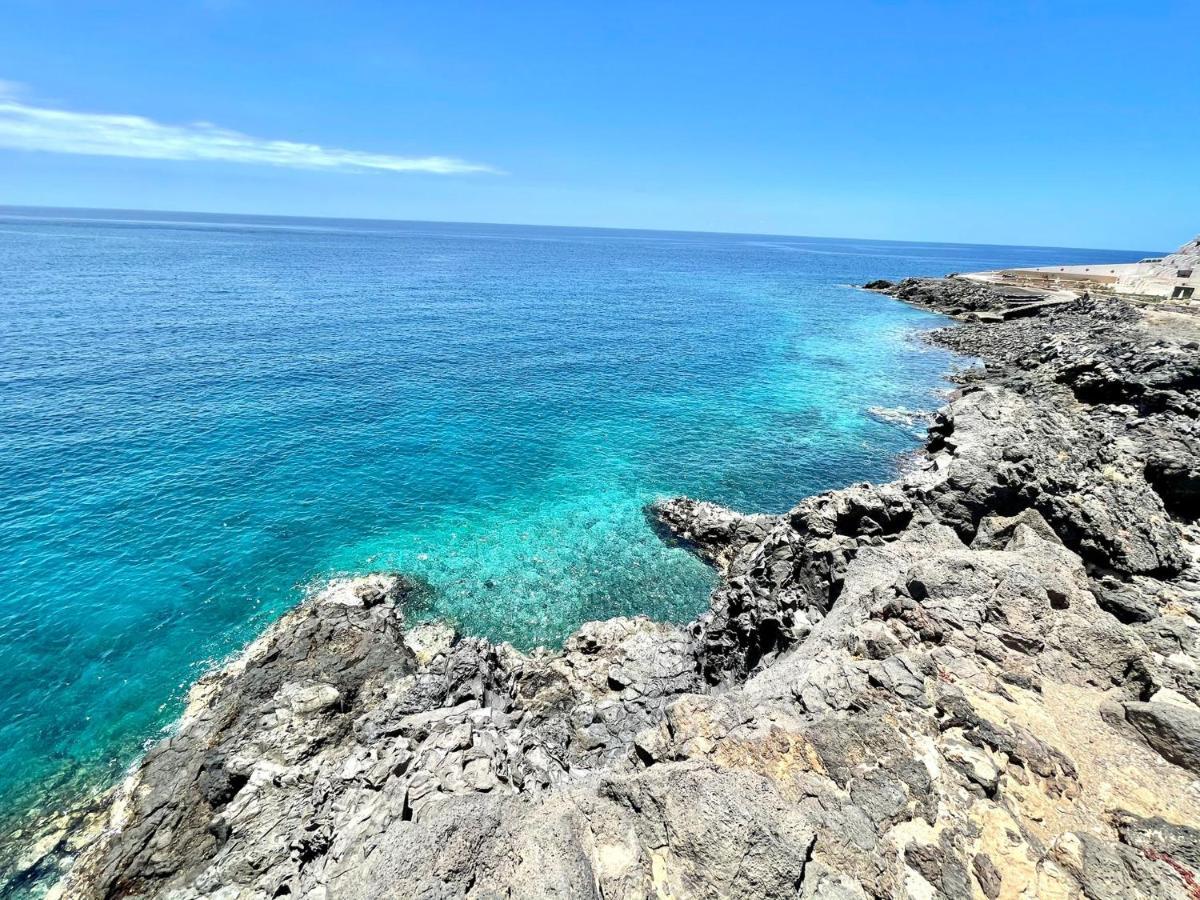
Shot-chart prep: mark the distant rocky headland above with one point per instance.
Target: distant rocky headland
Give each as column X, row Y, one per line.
column 979, row 680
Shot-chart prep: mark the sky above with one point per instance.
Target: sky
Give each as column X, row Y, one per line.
column 1055, row 122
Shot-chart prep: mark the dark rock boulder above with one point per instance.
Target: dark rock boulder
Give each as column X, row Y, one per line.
column 1171, row 729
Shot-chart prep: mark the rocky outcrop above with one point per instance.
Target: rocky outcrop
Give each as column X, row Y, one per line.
column 967, row 299
column 980, row 680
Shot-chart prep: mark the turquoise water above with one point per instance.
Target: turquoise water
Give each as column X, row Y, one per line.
column 201, row 416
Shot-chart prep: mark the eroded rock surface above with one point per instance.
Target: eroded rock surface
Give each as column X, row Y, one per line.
column 981, row 680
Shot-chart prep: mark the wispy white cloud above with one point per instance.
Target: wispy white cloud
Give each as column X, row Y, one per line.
column 24, row 126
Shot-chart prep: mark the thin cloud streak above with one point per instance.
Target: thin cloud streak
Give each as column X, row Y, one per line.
column 27, row 127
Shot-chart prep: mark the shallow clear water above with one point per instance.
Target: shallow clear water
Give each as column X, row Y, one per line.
column 200, row 416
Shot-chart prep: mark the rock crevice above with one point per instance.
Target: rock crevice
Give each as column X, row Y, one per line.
column 982, row 679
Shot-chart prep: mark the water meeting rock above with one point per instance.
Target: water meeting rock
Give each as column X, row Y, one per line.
column 980, row 679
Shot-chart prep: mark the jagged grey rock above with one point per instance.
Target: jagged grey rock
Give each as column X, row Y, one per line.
column 953, row 685
column 1173, row 729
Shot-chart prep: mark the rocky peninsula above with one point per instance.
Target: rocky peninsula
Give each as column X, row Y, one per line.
column 979, row 680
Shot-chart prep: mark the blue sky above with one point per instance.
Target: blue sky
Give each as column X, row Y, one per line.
column 1065, row 123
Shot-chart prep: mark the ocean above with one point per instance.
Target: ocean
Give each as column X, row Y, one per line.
column 202, row 417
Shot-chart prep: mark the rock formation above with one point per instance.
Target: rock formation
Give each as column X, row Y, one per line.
column 980, row 680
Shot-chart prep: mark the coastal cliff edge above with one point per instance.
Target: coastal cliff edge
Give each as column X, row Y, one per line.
column 979, row 680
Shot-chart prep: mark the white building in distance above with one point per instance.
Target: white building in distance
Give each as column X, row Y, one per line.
column 1173, row 277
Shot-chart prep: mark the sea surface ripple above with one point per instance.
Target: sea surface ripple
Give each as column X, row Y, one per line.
column 203, row 416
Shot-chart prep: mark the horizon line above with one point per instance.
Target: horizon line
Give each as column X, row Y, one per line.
column 312, row 218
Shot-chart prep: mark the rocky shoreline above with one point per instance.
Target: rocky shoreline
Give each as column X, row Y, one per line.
column 979, row 680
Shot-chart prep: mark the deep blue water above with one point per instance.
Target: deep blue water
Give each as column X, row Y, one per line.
column 200, row 416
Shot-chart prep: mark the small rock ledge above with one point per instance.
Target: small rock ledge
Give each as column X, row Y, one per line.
column 980, row 680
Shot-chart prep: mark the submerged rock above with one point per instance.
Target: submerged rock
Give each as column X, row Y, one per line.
column 978, row 680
